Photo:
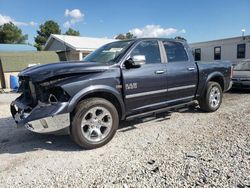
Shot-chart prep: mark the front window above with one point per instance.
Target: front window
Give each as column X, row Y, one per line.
column 150, row 50
column 109, row 52
column 244, row 66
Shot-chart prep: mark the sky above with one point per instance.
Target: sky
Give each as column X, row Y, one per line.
column 194, row 20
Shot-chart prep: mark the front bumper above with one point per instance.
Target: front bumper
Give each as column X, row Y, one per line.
column 58, row 124
column 241, row 84
column 49, row 118
column 229, row 86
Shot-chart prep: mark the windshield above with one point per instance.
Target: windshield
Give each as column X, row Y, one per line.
column 245, row 66
column 108, row 53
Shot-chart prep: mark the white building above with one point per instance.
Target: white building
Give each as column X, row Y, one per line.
column 233, row 49
column 74, row 47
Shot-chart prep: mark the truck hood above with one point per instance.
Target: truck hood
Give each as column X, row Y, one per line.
column 39, row 73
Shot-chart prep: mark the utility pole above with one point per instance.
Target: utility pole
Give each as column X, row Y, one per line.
column 243, row 33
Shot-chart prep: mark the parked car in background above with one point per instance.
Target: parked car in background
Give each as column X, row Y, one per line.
column 119, row 81
column 241, row 75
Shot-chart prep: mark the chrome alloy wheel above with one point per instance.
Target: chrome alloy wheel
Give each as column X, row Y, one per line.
column 96, row 124
column 215, row 97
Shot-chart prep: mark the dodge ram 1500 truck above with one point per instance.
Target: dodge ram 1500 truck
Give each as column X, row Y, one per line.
column 119, row 81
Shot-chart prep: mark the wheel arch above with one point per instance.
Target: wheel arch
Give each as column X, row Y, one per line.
column 217, row 77
column 105, row 92
column 220, row 80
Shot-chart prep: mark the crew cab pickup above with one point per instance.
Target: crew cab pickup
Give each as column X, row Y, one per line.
column 119, row 81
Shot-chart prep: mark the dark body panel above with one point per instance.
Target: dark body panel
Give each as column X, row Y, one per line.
column 146, row 80
column 40, row 73
column 182, row 82
column 211, row 70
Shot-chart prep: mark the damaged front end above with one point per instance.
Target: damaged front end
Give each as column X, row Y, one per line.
column 42, row 107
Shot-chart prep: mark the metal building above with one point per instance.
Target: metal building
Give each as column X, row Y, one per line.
column 11, row 63
column 234, row 49
column 73, row 47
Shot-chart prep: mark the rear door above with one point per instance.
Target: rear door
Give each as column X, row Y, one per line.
column 182, row 75
column 145, row 87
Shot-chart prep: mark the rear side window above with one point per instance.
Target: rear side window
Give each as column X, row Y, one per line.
column 175, row 51
column 150, row 49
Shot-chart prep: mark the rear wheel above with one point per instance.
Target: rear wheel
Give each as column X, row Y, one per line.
column 212, row 98
column 95, row 122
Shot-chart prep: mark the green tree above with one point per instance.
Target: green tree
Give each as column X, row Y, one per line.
column 120, row 37
column 72, row 32
column 129, row 36
column 11, row 34
column 45, row 30
column 180, row 38
column 125, row 36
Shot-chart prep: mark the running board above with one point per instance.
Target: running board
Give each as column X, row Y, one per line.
column 153, row 112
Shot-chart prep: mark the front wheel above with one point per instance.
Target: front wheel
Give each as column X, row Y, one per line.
column 212, row 98
column 94, row 123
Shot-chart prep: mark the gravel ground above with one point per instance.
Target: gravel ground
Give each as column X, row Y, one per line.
column 181, row 149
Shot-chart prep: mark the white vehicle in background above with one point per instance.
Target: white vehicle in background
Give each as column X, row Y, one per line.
column 241, row 75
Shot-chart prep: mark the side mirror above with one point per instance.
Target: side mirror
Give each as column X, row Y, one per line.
column 135, row 62
column 139, row 59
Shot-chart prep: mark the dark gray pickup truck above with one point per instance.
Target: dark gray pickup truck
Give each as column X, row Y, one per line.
column 119, row 81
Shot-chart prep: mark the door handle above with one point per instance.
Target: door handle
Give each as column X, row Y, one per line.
column 191, row 68
column 159, row 72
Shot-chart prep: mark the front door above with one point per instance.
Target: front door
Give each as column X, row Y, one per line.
column 145, row 86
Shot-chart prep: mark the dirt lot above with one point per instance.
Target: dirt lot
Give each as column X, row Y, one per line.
column 187, row 148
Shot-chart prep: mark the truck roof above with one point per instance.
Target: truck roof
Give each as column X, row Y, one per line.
column 156, row 38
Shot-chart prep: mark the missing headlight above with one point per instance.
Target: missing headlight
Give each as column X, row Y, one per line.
column 51, row 95
column 57, row 94
column 52, row 99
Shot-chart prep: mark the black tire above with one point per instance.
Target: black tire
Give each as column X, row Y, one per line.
column 78, row 133
column 205, row 101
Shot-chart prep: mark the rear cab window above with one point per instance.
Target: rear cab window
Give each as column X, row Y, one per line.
column 175, row 51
